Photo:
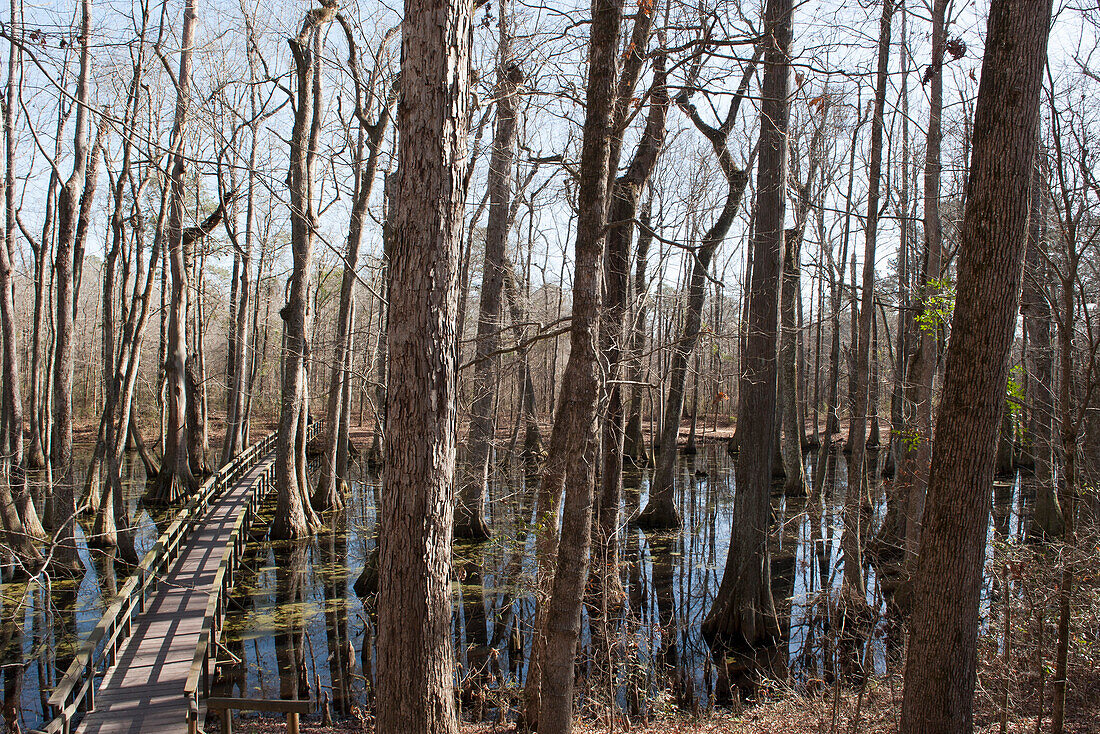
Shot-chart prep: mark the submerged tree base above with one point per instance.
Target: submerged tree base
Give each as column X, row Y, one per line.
column 472, row 528
column 658, row 515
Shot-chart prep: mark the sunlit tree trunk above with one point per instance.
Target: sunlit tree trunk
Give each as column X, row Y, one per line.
column 940, row 667
column 294, row 516
column 571, row 463
column 175, row 478
column 328, row 494
column 61, row 444
column 414, row 655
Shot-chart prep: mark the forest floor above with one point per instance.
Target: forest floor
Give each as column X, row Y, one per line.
column 875, row 710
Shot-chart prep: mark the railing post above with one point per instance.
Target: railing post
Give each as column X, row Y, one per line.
column 89, row 672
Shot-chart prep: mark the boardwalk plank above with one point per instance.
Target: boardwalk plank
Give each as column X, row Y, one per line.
column 143, row 691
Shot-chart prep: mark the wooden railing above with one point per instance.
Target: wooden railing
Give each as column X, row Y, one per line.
column 291, row 707
column 197, row 687
column 75, row 692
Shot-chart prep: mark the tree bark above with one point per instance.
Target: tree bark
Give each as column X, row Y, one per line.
column 634, row 448
column 625, row 194
column 1046, row 518
column 175, row 478
column 940, row 668
column 294, row 516
column 915, row 446
column 415, row 658
column 330, row 483
column 857, row 498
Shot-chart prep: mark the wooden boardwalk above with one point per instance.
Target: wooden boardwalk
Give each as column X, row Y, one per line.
column 144, row 690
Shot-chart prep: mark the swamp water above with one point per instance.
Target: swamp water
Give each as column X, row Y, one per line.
column 297, row 629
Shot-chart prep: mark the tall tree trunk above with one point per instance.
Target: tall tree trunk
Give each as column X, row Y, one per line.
column 572, row 460
column 20, row 520
column 415, row 670
column 791, row 358
column 625, row 194
column 915, row 447
column 237, row 357
column 1046, row 517
column 61, row 443
column 175, row 478
column 634, row 448
column 856, row 500
column 328, row 494
column 470, row 511
column 39, row 383
column 532, row 440
column 788, row 389
column 896, row 507
column 115, row 357
column 940, row 668
column 742, row 620
column 294, row 516
column 381, row 360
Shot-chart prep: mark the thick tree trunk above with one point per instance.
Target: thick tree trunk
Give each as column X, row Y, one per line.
column 415, row 661
column 294, row 516
column 940, row 668
column 175, row 478
column 742, row 620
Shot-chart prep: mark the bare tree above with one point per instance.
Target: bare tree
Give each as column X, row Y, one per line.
column 61, row 444
column 742, row 620
column 370, row 100
column 470, row 511
column 294, row 516
column 857, row 499
column 915, row 448
column 660, row 511
column 571, row 463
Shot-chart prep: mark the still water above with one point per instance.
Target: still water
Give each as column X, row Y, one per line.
column 297, row 628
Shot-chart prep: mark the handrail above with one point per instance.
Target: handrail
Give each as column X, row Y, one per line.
column 76, row 689
column 214, row 617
